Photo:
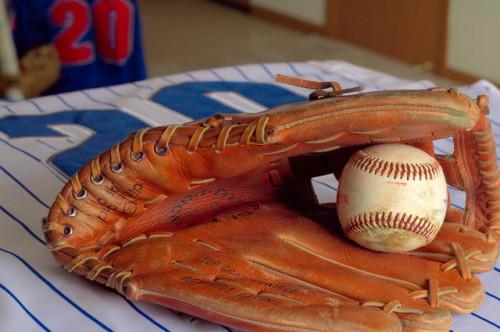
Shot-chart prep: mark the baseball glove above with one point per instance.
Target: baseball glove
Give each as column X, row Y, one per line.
column 217, row 217
column 40, row 69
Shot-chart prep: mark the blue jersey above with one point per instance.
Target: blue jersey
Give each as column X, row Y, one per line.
column 99, row 41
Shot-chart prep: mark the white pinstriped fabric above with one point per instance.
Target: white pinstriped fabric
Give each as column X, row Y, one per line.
column 35, row 294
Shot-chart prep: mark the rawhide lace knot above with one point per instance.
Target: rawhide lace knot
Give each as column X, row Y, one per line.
column 319, row 87
column 460, row 260
column 216, row 120
column 392, row 307
column 433, row 293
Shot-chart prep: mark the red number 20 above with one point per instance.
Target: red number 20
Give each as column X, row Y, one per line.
column 113, row 22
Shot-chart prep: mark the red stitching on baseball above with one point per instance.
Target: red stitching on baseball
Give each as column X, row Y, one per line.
column 408, row 171
column 409, row 222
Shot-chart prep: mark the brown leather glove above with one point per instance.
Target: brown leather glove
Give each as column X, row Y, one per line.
column 215, row 217
column 40, row 69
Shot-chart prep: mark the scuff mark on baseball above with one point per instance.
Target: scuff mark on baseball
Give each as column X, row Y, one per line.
column 392, row 198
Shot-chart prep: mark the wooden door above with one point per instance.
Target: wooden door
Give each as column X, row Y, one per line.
column 413, row 31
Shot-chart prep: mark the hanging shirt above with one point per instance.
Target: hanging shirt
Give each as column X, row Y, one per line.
column 99, row 41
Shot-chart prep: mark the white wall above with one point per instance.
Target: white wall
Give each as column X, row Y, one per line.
column 473, row 37
column 310, row 11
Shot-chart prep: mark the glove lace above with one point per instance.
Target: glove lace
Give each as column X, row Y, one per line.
column 488, row 169
column 392, row 307
column 319, row 92
column 227, row 134
column 433, row 293
column 460, row 260
column 93, row 265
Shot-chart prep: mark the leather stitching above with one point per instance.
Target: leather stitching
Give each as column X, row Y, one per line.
column 390, row 169
column 408, row 222
column 488, row 170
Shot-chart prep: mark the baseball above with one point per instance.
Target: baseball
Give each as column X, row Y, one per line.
column 392, row 198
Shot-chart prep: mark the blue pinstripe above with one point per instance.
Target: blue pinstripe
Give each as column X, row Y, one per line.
column 57, row 175
column 267, row 70
column 216, row 74
column 345, row 78
column 62, row 100
column 167, row 80
column 242, row 73
column 89, row 96
column 191, row 76
column 325, row 185
column 294, row 69
column 20, row 150
column 16, row 180
column 493, row 296
column 143, row 86
column 144, row 315
column 8, row 109
column 119, row 94
column 456, row 206
column 485, row 320
column 26, row 310
column 23, row 225
column 116, row 93
column 46, row 144
column 57, row 291
column 41, row 110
